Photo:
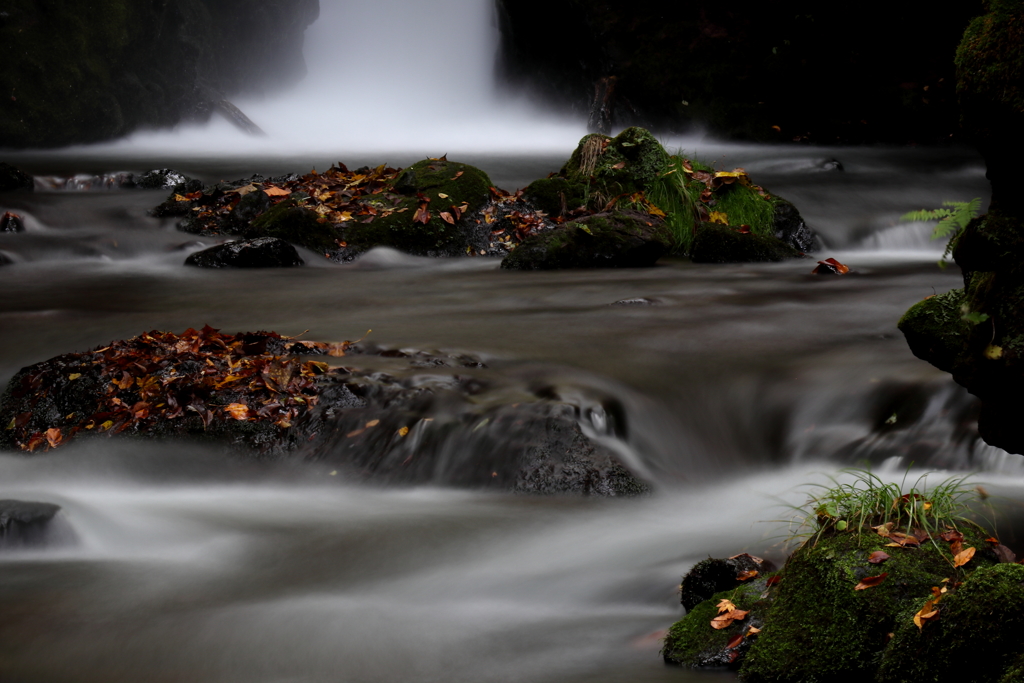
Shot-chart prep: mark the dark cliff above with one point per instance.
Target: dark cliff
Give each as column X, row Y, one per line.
column 77, row 72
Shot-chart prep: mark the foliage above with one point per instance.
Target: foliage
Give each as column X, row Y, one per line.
column 952, row 221
column 869, row 502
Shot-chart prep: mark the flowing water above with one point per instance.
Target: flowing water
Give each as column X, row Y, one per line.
column 735, row 384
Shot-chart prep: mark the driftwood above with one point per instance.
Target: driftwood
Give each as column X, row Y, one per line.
column 237, row 117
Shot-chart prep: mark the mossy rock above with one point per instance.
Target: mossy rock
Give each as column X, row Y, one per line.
column 990, row 242
column 616, row 239
column 691, row 642
column 627, row 163
column 716, row 243
column 976, row 637
column 292, row 222
column 935, row 330
column 819, row 628
column 460, row 183
column 555, row 196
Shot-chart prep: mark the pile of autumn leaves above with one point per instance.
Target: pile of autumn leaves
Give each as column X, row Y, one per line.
column 160, row 377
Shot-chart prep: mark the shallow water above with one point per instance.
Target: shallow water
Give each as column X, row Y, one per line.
column 737, row 383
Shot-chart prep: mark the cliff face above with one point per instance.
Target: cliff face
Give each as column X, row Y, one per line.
column 76, row 72
column 871, row 73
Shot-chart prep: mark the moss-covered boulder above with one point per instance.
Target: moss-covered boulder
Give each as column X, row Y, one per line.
column 830, row 613
column 935, row 329
column 716, row 243
column 616, row 239
column 975, row 638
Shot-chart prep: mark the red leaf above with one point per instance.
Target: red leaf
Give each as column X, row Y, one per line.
column 870, row 581
column 773, row 581
column 878, row 557
column 734, row 641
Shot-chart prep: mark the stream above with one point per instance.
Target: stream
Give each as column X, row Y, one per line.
column 733, row 387
column 737, row 384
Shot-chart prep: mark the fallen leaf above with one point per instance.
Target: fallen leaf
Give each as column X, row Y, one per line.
column 883, row 530
column 725, row 620
column 373, row 423
column 718, row 217
column 747, row 575
column 238, row 411
column 422, row 214
column 621, row 164
column 447, row 218
column 725, row 605
column 442, row 195
column 878, row 557
column 458, row 175
column 273, row 191
column 74, row 375
column 952, row 535
column 54, row 437
column 870, row 581
column 963, row 557
column 753, row 631
column 403, row 431
column 734, row 641
column 830, row 266
column 773, row 581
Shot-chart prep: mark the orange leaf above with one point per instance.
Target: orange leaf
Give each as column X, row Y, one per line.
column 725, row 606
column 239, row 411
column 878, row 557
column 447, row 218
column 963, row 557
column 54, row 437
column 753, row 631
column 422, row 215
column 870, row 581
column 747, row 575
column 275, row 191
column 725, row 620
column 926, row 613
column 773, row 581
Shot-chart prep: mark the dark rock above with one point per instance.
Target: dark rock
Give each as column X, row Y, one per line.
column 24, row 523
column 161, row 179
column 616, row 239
column 791, row 228
column 13, row 179
column 448, row 427
column 291, row 221
column 555, row 196
column 11, row 222
column 262, row 252
column 250, row 206
column 715, row 243
column 5, row 260
column 711, row 576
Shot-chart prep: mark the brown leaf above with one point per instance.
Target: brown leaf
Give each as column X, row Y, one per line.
column 963, row 557
column 878, row 557
column 747, row 575
column 239, row 411
column 951, row 535
column 275, row 191
column 621, row 164
column 927, row 613
column 734, row 641
column 54, row 437
column 458, row 175
column 870, row 581
column 725, row 620
column 883, row 530
column 422, row 214
column 1004, row 554
column 447, row 218
column 753, row 631
column 773, row 581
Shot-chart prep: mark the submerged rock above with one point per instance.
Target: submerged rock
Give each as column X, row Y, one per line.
column 616, row 239
column 254, row 393
column 11, row 222
column 163, row 179
column 715, row 243
column 262, row 252
column 13, row 179
column 25, row 524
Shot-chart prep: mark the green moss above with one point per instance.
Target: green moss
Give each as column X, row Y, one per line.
column 691, row 642
column 990, row 242
column 990, row 68
column 715, row 243
column 820, row 629
column 976, row 637
column 293, row 223
column 935, row 329
column 608, row 167
column 617, row 239
column 460, row 183
column 552, row 195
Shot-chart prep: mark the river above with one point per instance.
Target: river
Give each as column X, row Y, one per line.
column 738, row 383
column 735, row 385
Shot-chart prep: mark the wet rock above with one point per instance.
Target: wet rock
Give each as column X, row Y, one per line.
column 711, row 576
column 11, row 222
column 250, row 206
column 13, row 179
column 791, row 228
column 162, row 179
column 715, row 243
column 615, row 239
column 25, row 524
column 433, row 419
column 262, row 252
